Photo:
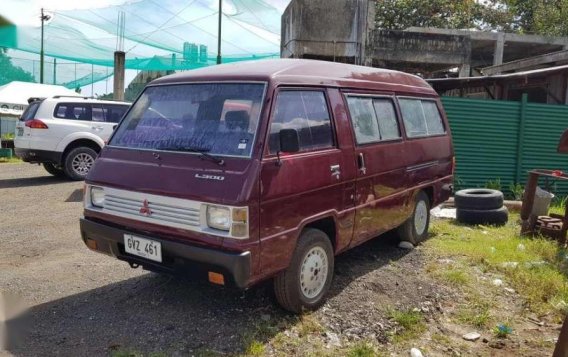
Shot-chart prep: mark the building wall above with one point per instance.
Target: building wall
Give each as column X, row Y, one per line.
column 327, row 29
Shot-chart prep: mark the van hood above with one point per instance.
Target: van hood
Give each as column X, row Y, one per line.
column 181, row 175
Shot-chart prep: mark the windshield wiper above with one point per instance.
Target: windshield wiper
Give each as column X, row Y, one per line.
column 203, row 151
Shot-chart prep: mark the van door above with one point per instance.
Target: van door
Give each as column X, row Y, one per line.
column 381, row 196
column 302, row 186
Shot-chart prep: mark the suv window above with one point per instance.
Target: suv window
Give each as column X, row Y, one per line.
column 373, row 119
column 73, row 111
column 108, row 112
column 421, row 117
column 305, row 111
column 31, row 110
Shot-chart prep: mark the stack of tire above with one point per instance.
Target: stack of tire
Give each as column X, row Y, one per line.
column 480, row 206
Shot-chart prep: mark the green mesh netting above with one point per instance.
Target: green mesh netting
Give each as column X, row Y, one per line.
column 158, row 36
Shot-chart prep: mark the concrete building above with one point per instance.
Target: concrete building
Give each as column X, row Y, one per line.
column 344, row 31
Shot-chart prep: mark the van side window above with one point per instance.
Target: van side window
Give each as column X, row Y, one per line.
column 421, row 117
column 305, row 111
column 374, row 119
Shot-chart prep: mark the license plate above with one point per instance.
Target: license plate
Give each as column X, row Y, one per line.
column 20, row 131
column 143, row 247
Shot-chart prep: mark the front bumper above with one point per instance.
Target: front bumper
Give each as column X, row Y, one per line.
column 176, row 257
column 40, row 156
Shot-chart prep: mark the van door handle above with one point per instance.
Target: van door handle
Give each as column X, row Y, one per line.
column 335, row 171
column 361, row 163
column 97, row 127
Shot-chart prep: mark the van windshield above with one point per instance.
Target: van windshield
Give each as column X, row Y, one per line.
column 216, row 118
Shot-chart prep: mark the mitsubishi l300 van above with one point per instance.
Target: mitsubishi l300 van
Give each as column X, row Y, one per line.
column 268, row 170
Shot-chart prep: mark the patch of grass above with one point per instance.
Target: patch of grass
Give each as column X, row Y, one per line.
column 12, row 160
column 309, row 325
column 125, row 353
column 536, row 268
column 363, row 349
column 255, row 348
column 205, row 352
column 442, row 340
column 453, row 276
column 478, row 316
column 410, row 320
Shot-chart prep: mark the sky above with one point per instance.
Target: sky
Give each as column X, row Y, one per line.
column 27, row 12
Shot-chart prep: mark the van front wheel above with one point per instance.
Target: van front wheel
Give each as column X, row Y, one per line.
column 305, row 283
column 415, row 229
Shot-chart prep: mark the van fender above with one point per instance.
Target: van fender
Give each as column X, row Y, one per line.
column 278, row 257
column 78, row 136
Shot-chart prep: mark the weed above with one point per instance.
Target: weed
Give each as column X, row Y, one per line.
column 362, row 349
column 517, row 191
column 12, row 160
column 494, row 184
column 309, row 325
column 255, row 348
column 411, row 321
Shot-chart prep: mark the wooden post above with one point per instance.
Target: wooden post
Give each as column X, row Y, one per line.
column 561, row 349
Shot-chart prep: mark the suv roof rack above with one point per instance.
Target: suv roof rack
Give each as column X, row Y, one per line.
column 72, row 96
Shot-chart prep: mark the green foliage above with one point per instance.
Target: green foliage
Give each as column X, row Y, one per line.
column 362, row 349
column 466, row 14
column 494, row 184
column 517, row 191
column 9, row 72
column 522, row 16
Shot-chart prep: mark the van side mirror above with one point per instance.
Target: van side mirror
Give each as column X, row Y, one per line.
column 289, row 140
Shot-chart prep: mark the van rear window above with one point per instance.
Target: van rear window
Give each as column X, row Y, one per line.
column 218, row 118
column 421, row 117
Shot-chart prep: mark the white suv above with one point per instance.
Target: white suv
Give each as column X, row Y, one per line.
column 66, row 133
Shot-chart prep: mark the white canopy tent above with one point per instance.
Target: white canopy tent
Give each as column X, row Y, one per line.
column 14, row 95
column 14, row 100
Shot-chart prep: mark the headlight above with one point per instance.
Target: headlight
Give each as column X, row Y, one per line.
column 97, row 197
column 219, row 217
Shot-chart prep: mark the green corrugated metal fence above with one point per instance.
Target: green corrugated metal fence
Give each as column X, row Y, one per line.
column 496, row 139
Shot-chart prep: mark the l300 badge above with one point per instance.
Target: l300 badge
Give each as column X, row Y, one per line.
column 210, row 177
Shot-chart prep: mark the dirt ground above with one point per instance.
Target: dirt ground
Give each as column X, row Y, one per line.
column 87, row 304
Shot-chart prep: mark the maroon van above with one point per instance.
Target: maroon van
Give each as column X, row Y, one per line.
column 267, row 170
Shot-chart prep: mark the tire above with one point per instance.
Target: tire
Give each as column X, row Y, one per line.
column 311, row 251
column 73, row 167
column 54, row 170
column 498, row 216
column 478, row 199
column 415, row 229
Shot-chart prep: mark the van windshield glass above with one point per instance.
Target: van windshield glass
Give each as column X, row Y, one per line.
column 216, row 118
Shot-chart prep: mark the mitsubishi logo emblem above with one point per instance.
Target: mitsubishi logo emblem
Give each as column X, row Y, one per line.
column 145, row 209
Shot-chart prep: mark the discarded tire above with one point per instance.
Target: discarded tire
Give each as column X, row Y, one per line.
column 478, row 199
column 498, row 216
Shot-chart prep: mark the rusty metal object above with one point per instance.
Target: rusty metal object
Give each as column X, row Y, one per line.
column 549, row 227
column 563, row 143
column 561, row 349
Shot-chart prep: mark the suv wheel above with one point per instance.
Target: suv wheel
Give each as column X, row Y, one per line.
column 54, row 170
column 304, row 284
column 415, row 229
column 78, row 162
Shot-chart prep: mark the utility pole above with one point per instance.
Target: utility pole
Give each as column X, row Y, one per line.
column 219, row 33
column 43, row 18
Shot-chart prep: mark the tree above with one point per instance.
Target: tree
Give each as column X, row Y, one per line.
column 9, row 72
column 542, row 17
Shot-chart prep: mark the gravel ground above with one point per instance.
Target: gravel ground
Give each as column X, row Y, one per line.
column 87, row 304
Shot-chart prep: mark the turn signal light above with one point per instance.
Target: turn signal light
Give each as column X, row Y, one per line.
column 36, row 124
column 216, row 278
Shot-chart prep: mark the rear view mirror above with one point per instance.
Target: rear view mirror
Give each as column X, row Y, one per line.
column 563, row 143
column 289, row 140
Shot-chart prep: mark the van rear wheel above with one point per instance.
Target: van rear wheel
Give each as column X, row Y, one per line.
column 79, row 162
column 305, row 283
column 54, row 170
column 415, row 229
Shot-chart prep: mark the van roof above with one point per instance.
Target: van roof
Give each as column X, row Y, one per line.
column 305, row 72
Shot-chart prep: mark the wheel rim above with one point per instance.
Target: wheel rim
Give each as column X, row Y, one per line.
column 82, row 163
column 420, row 217
column 313, row 274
